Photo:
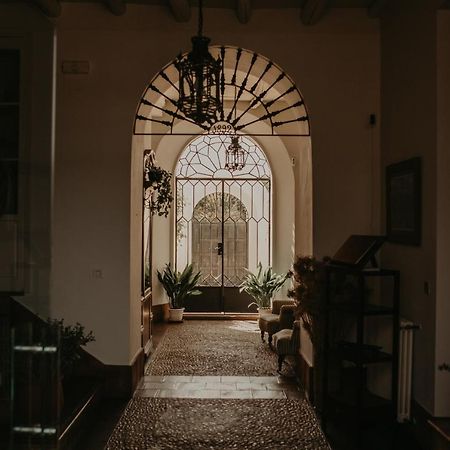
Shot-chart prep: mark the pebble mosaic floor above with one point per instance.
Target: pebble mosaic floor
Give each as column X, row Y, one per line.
column 211, row 385
column 213, row 347
column 213, row 424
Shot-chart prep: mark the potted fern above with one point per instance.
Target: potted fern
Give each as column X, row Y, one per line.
column 262, row 286
column 178, row 286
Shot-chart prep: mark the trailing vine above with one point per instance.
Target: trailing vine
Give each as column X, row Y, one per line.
column 157, row 187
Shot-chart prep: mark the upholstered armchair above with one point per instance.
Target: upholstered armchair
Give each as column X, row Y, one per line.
column 281, row 316
column 287, row 342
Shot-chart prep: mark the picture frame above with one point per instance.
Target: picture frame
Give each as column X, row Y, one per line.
column 404, row 202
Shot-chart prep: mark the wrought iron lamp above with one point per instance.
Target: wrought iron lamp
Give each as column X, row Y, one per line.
column 236, row 156
column 199, row 85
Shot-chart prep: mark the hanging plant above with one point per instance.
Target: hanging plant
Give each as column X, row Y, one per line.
column 157, row 187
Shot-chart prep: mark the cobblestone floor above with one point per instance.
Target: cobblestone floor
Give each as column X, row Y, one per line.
column 217, row 424
column 205, row 347
column 213, row 386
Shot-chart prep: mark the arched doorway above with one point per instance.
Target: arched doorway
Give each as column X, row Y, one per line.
column 223, row 219
column 260, row 101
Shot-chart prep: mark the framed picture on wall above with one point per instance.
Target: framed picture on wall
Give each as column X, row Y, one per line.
column 403, row 202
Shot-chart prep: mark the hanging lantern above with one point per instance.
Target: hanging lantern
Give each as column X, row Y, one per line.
column 236, row 156
column 199, row 75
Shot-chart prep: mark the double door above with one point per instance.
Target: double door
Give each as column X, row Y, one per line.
column 222, row 228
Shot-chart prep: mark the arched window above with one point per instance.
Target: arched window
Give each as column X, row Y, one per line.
column 222, row 217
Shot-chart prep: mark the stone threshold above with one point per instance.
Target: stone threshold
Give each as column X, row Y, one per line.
column 211, row 387
column 220, row 316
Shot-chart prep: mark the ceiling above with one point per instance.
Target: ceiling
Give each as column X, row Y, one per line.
column 311, row 11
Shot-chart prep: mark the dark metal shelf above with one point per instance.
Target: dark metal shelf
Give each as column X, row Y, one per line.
column 369, row 309
column 364, row 355
column 349, row 400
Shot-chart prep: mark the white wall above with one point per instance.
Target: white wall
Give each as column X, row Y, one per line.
column 335, row 65
column 442, row 378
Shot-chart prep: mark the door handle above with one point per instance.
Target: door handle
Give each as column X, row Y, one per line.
column 219, row 248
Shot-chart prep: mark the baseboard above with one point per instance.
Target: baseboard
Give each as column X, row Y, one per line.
column 121, row 381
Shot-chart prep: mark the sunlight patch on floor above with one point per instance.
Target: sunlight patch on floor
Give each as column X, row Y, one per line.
column 245, row 326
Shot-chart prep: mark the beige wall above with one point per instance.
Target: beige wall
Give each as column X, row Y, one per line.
column 95, row 115
column 334, row 64
column 408, row 86
column 442, row 380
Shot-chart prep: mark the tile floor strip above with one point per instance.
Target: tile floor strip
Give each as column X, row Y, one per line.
column 211, row 387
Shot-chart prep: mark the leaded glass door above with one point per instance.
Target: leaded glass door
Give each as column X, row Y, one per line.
column 222, row 222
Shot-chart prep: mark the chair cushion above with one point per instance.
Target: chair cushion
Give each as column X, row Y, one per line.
column 282, row 342
column 269, row 323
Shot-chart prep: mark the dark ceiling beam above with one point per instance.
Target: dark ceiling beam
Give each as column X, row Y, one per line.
column 376, row 7
column 243, row 10
column 117, row 7
column 181, row 10
column 51, row 8
column 312, row 11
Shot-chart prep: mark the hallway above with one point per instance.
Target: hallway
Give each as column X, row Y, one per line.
column 231, row 410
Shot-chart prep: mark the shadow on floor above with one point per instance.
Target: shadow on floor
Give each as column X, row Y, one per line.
column 110, row 410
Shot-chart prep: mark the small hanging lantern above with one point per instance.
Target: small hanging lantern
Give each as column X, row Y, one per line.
column 199, row 85
column 236, row 156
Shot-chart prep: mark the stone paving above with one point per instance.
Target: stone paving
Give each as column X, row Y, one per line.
column 213, row 386
column 213, row 347
column 217, row 424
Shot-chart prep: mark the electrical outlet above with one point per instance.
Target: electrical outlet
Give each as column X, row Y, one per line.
column 97, row 273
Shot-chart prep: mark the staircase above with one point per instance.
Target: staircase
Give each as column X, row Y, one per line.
column 47, row 411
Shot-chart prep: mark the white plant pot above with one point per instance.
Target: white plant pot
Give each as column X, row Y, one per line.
column 263, row 311
column 176, row 315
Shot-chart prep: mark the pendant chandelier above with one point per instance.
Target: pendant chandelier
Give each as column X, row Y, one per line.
column 199, row 74
column 236, row 156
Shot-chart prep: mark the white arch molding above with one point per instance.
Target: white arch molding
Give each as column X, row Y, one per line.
column 290, row 159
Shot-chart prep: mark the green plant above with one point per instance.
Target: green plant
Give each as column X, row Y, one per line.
column 157, row 180
column 262, row 285
column 179, row 285
column 309, row 291
column 73, row 337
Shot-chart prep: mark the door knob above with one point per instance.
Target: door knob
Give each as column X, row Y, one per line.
column 219, row 248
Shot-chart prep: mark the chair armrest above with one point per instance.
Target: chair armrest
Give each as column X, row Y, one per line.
column 295, row 338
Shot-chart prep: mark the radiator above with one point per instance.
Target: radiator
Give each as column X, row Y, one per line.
column 405, row 369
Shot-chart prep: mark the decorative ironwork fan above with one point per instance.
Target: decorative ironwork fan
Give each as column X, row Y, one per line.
column 257, row 98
